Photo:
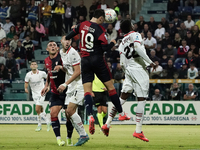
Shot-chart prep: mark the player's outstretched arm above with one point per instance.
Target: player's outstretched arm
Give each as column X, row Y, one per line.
column 73, row 32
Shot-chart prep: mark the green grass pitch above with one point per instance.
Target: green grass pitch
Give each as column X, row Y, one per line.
column 161, row 137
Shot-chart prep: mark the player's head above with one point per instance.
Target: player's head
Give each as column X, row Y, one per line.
column 126, row 26
column 33, row 65
column 65, row 43
column 52, row 48
column 99, row 14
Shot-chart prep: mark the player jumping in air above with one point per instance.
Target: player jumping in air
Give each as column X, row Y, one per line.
column 73, row 83
column 35, row 78
column 56, row 101
column 134, row 60
column 93, row 43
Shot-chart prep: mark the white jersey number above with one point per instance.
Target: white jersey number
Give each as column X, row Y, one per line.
column 89, row 38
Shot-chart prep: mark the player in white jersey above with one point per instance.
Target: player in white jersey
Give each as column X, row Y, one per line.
column 35, row 78
column 75, row 92
column 134, row 60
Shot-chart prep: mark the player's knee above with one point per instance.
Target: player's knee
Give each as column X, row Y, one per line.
column 54, row 114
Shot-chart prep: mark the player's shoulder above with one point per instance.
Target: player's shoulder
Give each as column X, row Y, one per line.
column 41, row 72
column 28, row 73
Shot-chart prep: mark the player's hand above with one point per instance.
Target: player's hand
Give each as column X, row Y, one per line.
column 105, row 89
column 154, row 66
column 92, row 94
column 26, row 90
column 73, row 26
column 113, row 41
column 62, row 87
column 44, row 91
column 57, row 68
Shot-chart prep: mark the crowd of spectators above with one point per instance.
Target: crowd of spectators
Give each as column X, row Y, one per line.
column 172, row 43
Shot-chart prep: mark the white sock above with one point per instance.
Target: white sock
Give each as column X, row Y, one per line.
column 58, row 137
column 39, row 120
column 113, row 113
column 44, row 115
column 139, row 116
column 78, row 125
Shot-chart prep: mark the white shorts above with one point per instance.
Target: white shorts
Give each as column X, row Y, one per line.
column 76, row 97
column 136, row 79
column 39, row 100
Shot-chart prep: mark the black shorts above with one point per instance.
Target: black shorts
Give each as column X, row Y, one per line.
column 100, row 99
column 94, row 64
column 57, row 100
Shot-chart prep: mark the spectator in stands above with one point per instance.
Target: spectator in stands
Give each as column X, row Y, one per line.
column 4, row 42
column 103, row 5
column 156, row 74
column 129, row 18
column 40, row 7
column 195, row 32
column 111, row 33
column 177, row 41
column 27, row 6
column 183, row 72
column 198, row 23
column 153, row 56
column 143, row 37
column 177, row 22
column 175, row 92
column 28, row 27
column 39, row 28
column 116, row 8
column 191, row 3
column 189, row 38
column 46, row 11
column 189, row 59
column 136, row 28
column 93, row 7
column 33, row 12
column 59, row 11
column 15, row 11
column 4, row 72
column 70, row 15
column 190, row 94
column 159, row 33
column 157, row 96
column 4, row 12
column 22, row 35
column 81, row 10
column 7, row 50
column 182, row 51
column 2, row 33
column 2, row 59
column 192, row 72
column 145, row 30
column 53, row 7
column 20, row 54
column 194, row 49
column 34, row 37
column 18, row 28
column 170, row 51
column 172, row 30
column 171, row 70
column 166, row 40
column 170, row 9
column 11, row 65
column 165, row 23
column 7, row 25
column 141, row 23
column 159, row 51
column 113, row 55
column 197, row 42
column 150, row 43
column 13, row 43
column 152, row 25
column 189, row 23
column 117, row 25
column 28, row 45
column 182, row 31
column 119, row 73
column 11, row 34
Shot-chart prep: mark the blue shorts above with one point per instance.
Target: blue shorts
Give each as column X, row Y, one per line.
column 94, row 64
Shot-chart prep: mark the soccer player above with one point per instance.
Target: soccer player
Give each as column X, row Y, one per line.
column 100, row 98
column 35, row 78
column 56, row 77
column 93, row 43
column 134, row 60
column 73, row 83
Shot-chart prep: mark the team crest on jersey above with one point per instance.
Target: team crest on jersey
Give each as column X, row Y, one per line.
column 56, row 63
column 137, row 38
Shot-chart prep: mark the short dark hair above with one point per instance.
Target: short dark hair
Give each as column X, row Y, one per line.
column 33, row 61
column 126, row 26
column 98, row 13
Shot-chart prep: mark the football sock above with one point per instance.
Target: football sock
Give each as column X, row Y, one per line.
column 69, row 128
column 115, row 100
column 56, row 126
column 77, row 122
column 39, row 120
column 88, row 103
column 100, row 119
column 139, row 115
